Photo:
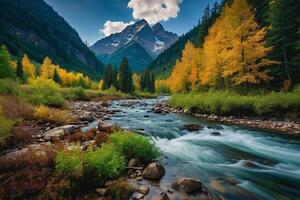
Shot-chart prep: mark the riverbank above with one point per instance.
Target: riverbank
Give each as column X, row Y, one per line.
column 287, row 127
column 35, row 162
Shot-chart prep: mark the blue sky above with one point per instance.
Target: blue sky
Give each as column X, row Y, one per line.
column 89, row 16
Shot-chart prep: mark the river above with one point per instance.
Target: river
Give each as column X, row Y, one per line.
column 239, row 164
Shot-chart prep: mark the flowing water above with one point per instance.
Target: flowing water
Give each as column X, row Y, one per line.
column 239, row 164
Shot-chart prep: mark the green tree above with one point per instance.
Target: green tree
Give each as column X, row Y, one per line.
column 6, row 70
column 125, row 79
column 108, row 77
column 19, row 71
column 56, row 77
column 282, row 36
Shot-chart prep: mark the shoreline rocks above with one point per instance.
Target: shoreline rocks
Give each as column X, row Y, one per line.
column 287, row 127
column 154, row 171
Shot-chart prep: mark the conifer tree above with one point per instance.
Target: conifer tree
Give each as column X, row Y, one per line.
column 6, row 70
column 284, row 19
column 56, row 77
column 19, row 71
column 108, row 78
column 125, row 80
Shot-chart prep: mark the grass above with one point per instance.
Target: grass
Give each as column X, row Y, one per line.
column 274, row 104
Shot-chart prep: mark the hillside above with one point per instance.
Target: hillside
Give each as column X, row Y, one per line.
column 35, row 28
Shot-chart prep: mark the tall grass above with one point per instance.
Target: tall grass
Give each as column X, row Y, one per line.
column 274, row 104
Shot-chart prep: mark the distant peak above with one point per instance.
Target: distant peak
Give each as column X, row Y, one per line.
column 142, row 21
column 158, row 27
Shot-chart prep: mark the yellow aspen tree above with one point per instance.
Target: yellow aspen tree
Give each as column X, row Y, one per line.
column 47, row 69
column 248, row 55
column 136, row 82
column 101, row 84
column 28, row 67
column 216, row 54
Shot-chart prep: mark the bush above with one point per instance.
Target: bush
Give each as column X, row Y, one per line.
column 69, row 163
column 9, row 87
column 132, row 145
column 5, row 128
column 44, row 91
column 74, row 94
column 46, row 114
column 16, row 108
column 104, row 162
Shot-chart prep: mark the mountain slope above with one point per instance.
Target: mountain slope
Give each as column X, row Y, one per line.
column 33, row 27
column 153, row 40
column 135, row 53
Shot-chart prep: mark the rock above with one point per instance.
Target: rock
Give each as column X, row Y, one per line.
column 101, row 191
column 88, row 117
column 154, row 171
column 157, row 110
column 54, row 135
column 163, row 197
column 248, row 164
column 137, row 196
column 133, row 162
column 187, row 185
column 105, row 127
column 143, row 189
column 215, row 133
column 192, row 127
column 187, row 112
column 146, row 116
column 68, row 129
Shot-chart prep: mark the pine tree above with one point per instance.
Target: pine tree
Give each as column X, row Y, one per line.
column 108, row 77
column 125, row 80
column 19, row 71
column 283, row 37
column 56, row 77
column 6, row 70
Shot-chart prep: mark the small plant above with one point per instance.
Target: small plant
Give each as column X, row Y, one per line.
column 132, row 145
column 120, row 190
column 104, row 162
column 69, row 163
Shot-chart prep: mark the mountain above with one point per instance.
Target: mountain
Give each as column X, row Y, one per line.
column 33, row 27
column 140, row 42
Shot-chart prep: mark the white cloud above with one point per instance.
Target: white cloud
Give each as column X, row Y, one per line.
column 110, row 27
column 154, row 11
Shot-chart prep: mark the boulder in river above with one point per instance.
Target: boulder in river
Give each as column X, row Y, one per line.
column 215, row 133
column 157, row 110
column 192, row 127
column 187, row 185
column 154, row 171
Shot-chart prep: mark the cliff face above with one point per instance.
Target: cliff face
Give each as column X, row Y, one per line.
column 33, row 27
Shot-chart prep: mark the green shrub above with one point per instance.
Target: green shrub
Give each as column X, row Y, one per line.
column 9, row 87
column 104, row 162
column 74, row 93
column 69, row 163
column 132, row 145
column 44, row 91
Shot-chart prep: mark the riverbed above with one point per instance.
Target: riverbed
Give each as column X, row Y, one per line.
column 234, row 162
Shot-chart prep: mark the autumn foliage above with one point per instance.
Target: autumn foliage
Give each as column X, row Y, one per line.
column 233, row 54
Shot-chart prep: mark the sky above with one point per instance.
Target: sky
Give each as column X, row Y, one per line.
column 95, row 19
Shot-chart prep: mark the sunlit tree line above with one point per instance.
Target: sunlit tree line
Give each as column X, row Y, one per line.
column 235, row 53
column 24, row 71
